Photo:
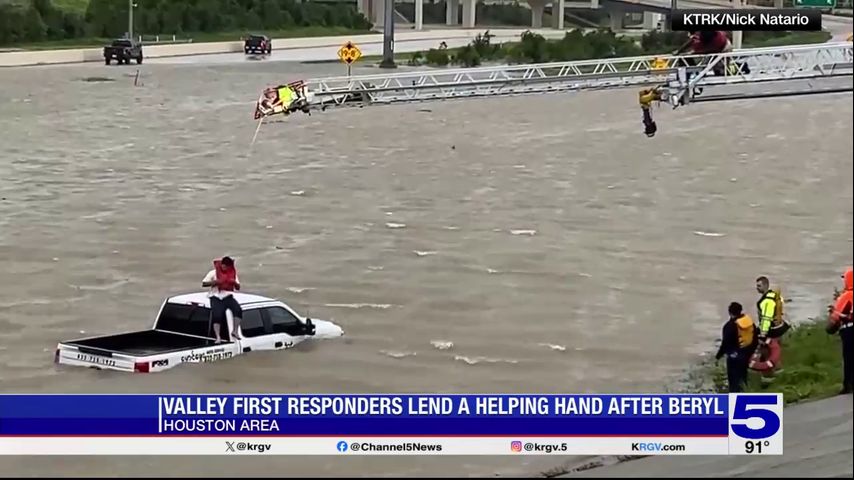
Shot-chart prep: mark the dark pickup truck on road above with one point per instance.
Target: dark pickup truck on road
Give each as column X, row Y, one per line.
column 258, row 45
column 123, row 50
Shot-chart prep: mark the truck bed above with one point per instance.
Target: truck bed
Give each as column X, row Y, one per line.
column 141, row 344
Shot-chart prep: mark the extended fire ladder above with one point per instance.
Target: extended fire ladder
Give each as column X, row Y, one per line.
column 675, row 79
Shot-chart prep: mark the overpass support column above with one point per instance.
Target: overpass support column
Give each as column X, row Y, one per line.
column 378, row 13
column 616, row 18
column 738, row 34
column 778, row 3
column 419, row 14
column 651, row 20
column 469, row 10
column 558, row 8
column 537, row 8
column 594, row 4
column 452, row 12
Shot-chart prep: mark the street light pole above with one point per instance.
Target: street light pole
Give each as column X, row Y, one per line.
column 672, row 13
column 388, row 35
column 737, row 35
column 130, row 19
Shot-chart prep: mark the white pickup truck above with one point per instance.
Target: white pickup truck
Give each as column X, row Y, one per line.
column 182, row 334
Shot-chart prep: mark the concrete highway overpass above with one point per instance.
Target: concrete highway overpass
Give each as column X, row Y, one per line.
column 654, row 11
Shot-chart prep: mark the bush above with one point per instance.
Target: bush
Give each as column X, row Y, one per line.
column 577, row 45
column 438, row 57
column 484, row 47
column 662, row 42
column 34, row 27
column 467, row 56
column 417, row 59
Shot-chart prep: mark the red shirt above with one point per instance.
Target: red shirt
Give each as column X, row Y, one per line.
column 715, row 45
column 226, row 278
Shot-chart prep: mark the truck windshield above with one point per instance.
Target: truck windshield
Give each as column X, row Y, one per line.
column 190, row 319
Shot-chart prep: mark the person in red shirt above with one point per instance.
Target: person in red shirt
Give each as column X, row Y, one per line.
column 707, row 43
column 223, row 282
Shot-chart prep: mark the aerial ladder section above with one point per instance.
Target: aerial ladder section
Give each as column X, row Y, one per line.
column 677, row 80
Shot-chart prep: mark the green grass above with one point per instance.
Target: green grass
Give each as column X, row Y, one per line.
column 78, row 6
column 793, row 38
column 297, row 32
column 811, row 366
column 407, row 56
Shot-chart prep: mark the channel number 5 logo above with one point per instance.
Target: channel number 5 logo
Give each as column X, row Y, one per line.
column 755, row 424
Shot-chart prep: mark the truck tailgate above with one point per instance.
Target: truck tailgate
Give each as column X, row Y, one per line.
column 141, row 344
column 81, row 356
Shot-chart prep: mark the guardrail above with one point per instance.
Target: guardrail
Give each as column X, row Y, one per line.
column 162, row 39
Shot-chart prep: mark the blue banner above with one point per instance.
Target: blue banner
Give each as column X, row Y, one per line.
column 365, row 415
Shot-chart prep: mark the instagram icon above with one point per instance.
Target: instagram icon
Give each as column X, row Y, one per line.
column 516, row 446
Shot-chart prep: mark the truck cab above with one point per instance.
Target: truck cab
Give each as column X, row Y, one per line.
column 182, row 334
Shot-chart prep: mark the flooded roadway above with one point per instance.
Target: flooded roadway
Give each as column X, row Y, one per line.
column 556, row 248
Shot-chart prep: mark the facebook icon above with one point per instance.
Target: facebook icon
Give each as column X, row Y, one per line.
column 342, row 446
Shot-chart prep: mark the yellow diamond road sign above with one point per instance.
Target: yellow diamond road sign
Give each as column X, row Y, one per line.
column 659, row 64
column 349, row 53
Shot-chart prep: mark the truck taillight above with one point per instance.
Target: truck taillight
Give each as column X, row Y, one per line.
column 140, row 367
column 56, row 356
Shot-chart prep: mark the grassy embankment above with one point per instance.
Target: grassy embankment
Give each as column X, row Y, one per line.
column 811, row 366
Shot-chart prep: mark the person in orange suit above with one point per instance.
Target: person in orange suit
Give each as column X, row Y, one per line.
column 840, row 320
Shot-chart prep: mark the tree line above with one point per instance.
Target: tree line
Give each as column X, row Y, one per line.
column 41, row 20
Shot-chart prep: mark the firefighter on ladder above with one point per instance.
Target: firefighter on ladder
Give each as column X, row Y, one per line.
column 645, row 99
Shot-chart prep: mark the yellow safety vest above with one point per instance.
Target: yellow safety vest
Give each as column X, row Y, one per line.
column 770, row 311
column 286, row 95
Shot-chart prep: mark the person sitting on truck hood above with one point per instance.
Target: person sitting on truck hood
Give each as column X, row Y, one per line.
column 223, row 282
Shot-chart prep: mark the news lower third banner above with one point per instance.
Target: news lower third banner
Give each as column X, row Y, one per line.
column 746, row 19
column 429, row 424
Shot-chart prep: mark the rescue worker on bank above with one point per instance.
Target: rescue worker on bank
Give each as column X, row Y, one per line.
column 768, row 354
column 841, row 320
column 770, row 310
column 738, row 342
